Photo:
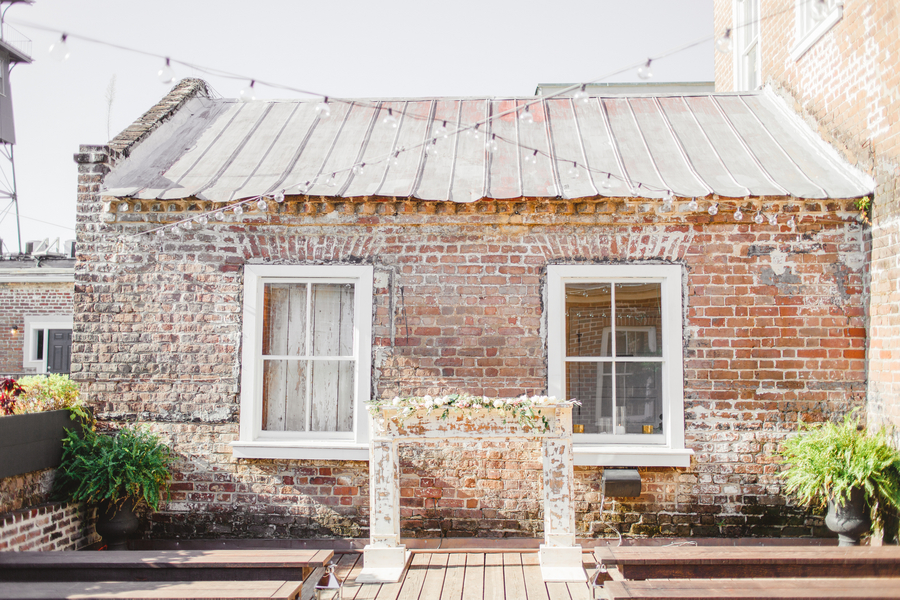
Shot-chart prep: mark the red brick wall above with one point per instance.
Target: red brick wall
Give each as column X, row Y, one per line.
column 774, row 332
column 847, row 87
column 34, row 299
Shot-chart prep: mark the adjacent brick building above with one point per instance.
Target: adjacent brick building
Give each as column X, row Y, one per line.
column 836, row 63
column 250, row 342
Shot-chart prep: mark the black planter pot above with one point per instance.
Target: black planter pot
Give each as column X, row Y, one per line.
column 116, row 524
column 849, row 520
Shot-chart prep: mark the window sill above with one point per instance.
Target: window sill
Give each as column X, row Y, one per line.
column 301, row 450
column 816, row 33
column 631, row 456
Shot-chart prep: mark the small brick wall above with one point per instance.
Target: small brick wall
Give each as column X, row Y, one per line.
column 846, row 87
column 18, row 300
column 29, row 521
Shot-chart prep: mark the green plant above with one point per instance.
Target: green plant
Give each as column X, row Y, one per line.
column 132, row 463
column 831, row 459
column 50, row 392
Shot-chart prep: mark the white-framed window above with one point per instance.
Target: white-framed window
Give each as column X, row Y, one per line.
column 615, row 345
column 813, row 19
column 47, row 343
column 747, row 62
column 305, row 371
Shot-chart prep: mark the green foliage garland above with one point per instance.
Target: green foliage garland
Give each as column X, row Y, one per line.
column 133, row 463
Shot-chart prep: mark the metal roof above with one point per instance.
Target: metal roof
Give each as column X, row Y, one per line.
column 733, row 145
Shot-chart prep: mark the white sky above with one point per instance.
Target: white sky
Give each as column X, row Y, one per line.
column 350, row 48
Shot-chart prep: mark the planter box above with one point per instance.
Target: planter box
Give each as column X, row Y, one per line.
column 32, row 442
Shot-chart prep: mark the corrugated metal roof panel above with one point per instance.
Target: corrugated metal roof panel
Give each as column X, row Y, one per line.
column 694, row 145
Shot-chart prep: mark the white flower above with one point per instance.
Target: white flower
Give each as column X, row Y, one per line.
column 498, row 403
column 396, row 401
column 428, row 399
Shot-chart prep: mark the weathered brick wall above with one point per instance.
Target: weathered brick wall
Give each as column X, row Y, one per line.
column 34, row 299
column 30, row 521
column 774, row 332
column 846, row 87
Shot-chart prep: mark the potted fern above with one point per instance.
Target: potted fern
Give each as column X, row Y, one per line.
column 117, row 472
column 841, row 466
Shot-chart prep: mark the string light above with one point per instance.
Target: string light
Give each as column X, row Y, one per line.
column 773, row 219
column 166, row 74
column 667, row 201
column 573, row 171
column 644, row 71
column 395, row 160
column 607, row 184
column 693, row 205
column 331, row 181
column 261, row 205
column 248, row 94
column 530, row 159
column 431, row 149
column 581, row 95
column 187, row 225
column 203, row 219
column 279, row 197
column 791, row 222
column 358, row 169
column 390, row 120
column 59, row 50
column 442, row 131
column 239, row 209
column 491, row 143
column 759, row 218
column 738, row 215
column 322, row 108
column 220, row 215
column 724, row 44
column 713, row 209
column 525, row 115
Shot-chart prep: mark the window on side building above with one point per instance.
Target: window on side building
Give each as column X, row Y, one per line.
column 747, row 71
column 615, row 345
column 306, row 362
column 814, row 18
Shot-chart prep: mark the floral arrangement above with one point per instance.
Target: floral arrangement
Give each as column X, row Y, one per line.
column 520, row 409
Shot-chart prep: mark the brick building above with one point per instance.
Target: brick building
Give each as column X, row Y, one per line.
column 36, row 300
column 836, row 63
column 690, row 267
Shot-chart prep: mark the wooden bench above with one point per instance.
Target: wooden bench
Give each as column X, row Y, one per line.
column 162, row 575
column 676, row 562
column 151, row 590
column 163, row 565
column 726, row 589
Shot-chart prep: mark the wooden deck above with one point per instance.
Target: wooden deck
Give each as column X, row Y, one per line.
column 464, row 576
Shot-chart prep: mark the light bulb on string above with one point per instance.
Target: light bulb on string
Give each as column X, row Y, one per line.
column 323, row 109
column 472, row 132
column 441, row 131
column 161, row 232
column 581, row 95
column 166, row 74
column 248, row 94
column 713, row 209
column 491, row 143
column 187, row 225
column 791, row 222
column 773, row 219
column 279, row 196
column 358, row 169
column 738, row 215
column 759, row 219
column 59, row 50
column 219, row 216
column 530, row 159
column 176, row 229
column 573, row 171
column 239, row 209
column 525, row 115
column 390, row 120
column 723, row 44
column 203, row 219
column 123, row 207
column 607, row 184
column 693, row 204
column 644, row 71
column 261, row 205
column 331, row 181
column 431, row 148
column 668, row 200
column 395, row 159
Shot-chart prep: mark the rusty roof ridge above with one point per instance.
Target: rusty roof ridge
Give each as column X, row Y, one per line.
column 715, row 151
column 749, row 152
column 681, row 150
column 780, row 147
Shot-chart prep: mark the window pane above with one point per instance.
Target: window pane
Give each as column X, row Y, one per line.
column 284, row 395
column 639, row 391
column 638, row 320
column 332, row 395
column 587, row 316
column 332, row 315
column 591, row 384
column 284, row 319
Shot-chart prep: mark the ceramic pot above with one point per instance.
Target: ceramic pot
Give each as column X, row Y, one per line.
column 117, row 523
column 849, row 520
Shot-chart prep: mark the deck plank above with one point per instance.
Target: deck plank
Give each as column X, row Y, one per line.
column 473, row 587
column 513, row 575
column 493, row 577
column 415, row 577
column 535, row 589
column 454, row 577
column 557, row 591
column 434, row 576
column 149, row 590
column 784, row 588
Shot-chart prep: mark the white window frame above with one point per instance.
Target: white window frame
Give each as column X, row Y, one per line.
column 253, row 441
column 34, row 323
column 808, row 31
column 746, row 35
column 624, row 451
